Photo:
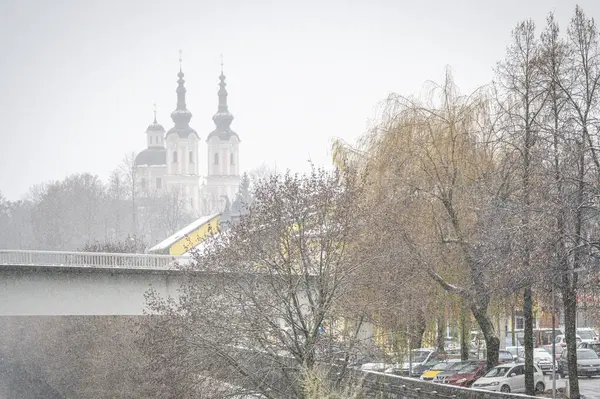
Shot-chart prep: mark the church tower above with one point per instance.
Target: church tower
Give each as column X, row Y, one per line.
column 155, row 134
column 223, row 177
column 150, row 163
column 182, row 151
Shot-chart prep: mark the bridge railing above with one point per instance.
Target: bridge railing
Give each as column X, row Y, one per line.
column 89, row 259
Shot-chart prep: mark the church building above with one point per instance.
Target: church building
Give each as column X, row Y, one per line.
column 170, row 161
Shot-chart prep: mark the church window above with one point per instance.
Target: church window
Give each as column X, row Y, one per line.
column 158, row 183
column 231, row 160
column 143, row 183
column 191, row 157
column 216, row 158
column 150, row 139
column 174, row 156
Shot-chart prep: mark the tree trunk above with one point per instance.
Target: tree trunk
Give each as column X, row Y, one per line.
column 441, row 334
column 528, row 337
column 570, row 305
column 492, row 342
column 513, row 320
column 465, row 333
column 418, row 331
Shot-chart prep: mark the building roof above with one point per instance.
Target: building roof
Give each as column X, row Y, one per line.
column 152, row 156
column 155, row 127
column 190, row 228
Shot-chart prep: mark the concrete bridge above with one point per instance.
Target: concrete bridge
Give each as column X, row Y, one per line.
column 47, row 283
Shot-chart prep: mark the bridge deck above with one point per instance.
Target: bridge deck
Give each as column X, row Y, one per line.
column 95, row 260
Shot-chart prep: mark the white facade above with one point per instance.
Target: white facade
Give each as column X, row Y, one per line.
column 171, row 159
column 223, row 178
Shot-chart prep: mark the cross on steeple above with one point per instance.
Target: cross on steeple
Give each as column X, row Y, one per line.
column 221, row 63
column 154, row 107
column 180, row 59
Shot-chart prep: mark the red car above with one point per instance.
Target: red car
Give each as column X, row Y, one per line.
column 467, row 375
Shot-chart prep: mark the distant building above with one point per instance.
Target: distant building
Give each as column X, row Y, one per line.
column 170, row 161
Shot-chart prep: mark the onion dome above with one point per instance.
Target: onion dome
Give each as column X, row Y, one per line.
column 223, row 117
column 181, row 116
column 155, row 126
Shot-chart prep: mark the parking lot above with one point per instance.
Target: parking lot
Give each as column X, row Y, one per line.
column 589, row 387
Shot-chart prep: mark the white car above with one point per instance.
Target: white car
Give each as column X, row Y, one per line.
column 378, row 366
column 587, row 335
column 419, row 357
column 509, row 377
column 543, row 359
column 561, row 340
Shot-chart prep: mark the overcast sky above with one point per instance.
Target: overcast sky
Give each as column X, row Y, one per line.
column 78, row 78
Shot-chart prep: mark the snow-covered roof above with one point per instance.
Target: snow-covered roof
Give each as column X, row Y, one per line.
column 167, row 242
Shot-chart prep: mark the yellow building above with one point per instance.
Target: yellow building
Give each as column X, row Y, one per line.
column 188, row 237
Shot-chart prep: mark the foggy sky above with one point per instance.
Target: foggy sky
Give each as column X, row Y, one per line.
column 78, row 78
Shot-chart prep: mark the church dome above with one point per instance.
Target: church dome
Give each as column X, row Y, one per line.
column 223, row 117
column 155, row 127
column 152, row 156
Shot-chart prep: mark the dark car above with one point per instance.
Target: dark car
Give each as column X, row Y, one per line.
column 588, row 363
column 418, row 369
column 467, row 375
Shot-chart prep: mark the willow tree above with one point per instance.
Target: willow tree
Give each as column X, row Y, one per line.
column 433, row 163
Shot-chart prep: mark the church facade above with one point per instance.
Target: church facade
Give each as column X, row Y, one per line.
column 170, row 163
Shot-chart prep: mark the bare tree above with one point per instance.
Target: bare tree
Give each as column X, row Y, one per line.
column 129, row 173
column 262, row 306
column 523, row 98
column 69, row 213
column 571, row 69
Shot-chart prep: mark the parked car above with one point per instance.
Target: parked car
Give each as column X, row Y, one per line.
column 453, row 369
column 451, row 344
column 543, row 359
column 417, row 371
column 467, row 375
column 378, row 365
column 587, row 335
column 560, row 344
column 505, row 357
column 516, row 351
column 595, row 346
column 419, row 357
column 561, row 340
column 588, row 363
column 442, row 366
column 509, row 377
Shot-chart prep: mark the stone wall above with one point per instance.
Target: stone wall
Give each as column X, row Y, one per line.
column 386, row 386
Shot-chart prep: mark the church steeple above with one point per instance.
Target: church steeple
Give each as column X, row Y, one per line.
column 223, row 176
column 181, row 116
column 155, row 133
column 223, row 117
